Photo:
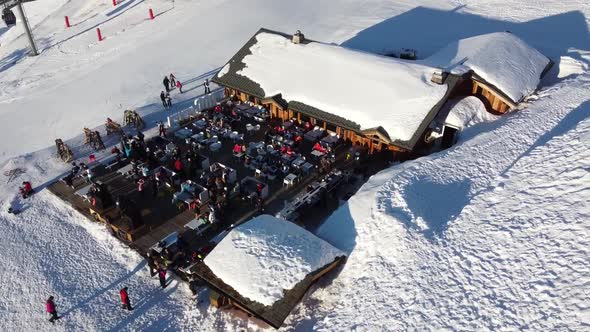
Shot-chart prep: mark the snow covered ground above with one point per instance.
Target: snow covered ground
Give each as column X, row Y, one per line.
column 491, row 234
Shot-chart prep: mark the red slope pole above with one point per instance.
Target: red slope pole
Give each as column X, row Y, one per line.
column 67, row 22
column 114, row 2
column 99, row 34
column 151, row 14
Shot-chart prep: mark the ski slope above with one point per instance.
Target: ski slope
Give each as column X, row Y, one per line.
column 489, row 235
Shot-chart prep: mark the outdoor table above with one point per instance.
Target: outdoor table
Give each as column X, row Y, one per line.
column 307, row 168
column 298, row 162
column 125, row 169
column 290, row 179
column 314, row 135
column 168, row 240
column 287, row 158
column 184, row 197
column 257, row 145
column 183, row 133
column 272, row 172
column 196, row 223
column 330, row 140
column 317, row 153
column 83, row 192
column 200, row 124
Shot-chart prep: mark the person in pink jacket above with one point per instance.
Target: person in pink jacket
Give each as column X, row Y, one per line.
column 51, row 309
column 179, row 86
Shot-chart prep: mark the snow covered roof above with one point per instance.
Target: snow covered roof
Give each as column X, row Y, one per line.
column 465, row 112
column 501, row 59
column 366, row 89
column 266, row 256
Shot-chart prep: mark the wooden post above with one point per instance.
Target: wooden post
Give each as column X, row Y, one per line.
column 99, row 34
column 151, row 14
column 67, row 22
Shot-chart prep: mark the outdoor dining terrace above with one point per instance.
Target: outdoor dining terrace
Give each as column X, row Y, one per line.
column 236, row 163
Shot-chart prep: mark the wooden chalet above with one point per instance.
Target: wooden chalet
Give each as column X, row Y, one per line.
column 461, row 81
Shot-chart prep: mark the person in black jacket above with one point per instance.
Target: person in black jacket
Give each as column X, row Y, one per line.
column 163, row 98
column 166, row 83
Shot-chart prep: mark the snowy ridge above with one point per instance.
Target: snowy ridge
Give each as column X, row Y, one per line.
column 492, row 234
column 265, row 256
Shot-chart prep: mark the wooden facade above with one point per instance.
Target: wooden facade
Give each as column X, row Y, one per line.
column 495, row 102
column 372, row 139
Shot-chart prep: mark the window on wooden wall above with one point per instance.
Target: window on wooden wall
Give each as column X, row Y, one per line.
column 305, row 118
column 331, row 127
column 320, row 123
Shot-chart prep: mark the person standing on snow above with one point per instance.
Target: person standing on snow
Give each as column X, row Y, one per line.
column 206, row 85
column 162, row 276
column 26, row 190
column 161, row 129
column 151, row 264
column 172, row 80
column 179, row 86
column 51, row 309
column 125, row 299
column 166, row 83
column 168, row 99
column 163, row 98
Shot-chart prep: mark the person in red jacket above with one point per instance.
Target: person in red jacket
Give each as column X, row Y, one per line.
column 26, row 189
column 162, row 276
column 125, row 299
column 178, row 166
column 140, row 184
column 179, row 86
column 51, row 309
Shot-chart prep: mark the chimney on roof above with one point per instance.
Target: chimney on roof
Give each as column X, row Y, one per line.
column 438, row 76
column 298, row 37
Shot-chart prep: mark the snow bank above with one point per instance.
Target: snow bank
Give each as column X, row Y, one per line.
column 368, row 89
column 467, row 112
column 265, row 256
column 492, row 234
column 500, row 58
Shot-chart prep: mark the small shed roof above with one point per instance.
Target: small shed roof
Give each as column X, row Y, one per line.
column 266, row 265
column 500, row 59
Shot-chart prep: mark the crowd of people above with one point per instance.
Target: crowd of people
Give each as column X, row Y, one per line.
column 170, row 83
column 159, row 162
